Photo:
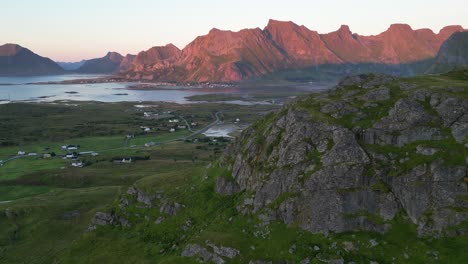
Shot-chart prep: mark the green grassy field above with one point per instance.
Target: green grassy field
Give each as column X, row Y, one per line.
column 46, row 205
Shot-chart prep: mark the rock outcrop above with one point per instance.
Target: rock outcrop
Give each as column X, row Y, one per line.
column 308, row 165
column 211, row 253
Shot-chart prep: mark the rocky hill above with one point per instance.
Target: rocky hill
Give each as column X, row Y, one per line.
column 452, row 54
column 371, row 171
column 354, row 158
column 16, row 60
column 226, row 56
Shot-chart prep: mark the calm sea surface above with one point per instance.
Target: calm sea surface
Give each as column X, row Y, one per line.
column 24, row 89
column 20, row 89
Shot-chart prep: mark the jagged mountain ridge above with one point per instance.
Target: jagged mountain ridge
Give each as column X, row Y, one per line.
column 226, row 56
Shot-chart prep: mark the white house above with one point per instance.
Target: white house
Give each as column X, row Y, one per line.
column 69, row 156
column 77, row 164
column 150, row 144
column 172, row 130
column 181, row 127
column 174, row 121
column 21, row 153
column 46, row 156
column 32, row 154
column 127, row 160
column 145, row 129
column 94, row 154
column 72, row 147
column 237, row 120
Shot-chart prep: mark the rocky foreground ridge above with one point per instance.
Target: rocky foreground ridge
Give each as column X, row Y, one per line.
column 355, row 158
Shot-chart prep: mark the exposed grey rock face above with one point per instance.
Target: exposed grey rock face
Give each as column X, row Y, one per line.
column 404, row 115
column 406, row 122
column 103, row 219
column 319, row 176
column 426, row 151
column 380, row 94
column 454, row 113
column 338, row 109
column 170, row 209
column 216, row 255
column 226, row 187
column 366, row 81
column 335, row 188
column 142, row 197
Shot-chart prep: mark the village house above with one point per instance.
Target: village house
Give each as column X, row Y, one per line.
column 150, row 144
column 174, row 121
column 69, row 147
column 172, row 130
column 46, row 156
column 127, row 160
column 194, row 124
column 145, row 129
column 32, row 154
column 130, row 136
column 70, row 156
column 181, row 127
column 21, row 153
column 77, row 164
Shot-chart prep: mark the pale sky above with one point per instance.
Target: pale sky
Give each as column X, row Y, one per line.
column 71, row 30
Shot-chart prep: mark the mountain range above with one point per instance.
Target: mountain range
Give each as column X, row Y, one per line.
column 226, row 56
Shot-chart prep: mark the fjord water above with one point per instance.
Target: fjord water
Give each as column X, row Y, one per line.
column 36, row 89
column 25, row 89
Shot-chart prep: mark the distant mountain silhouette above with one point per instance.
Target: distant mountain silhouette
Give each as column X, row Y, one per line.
column 71, row 66
column 452, row 54
column 16, row 60
column 107, row 64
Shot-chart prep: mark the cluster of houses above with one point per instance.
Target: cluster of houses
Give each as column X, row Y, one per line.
column 24, row 153
column 70, row 155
